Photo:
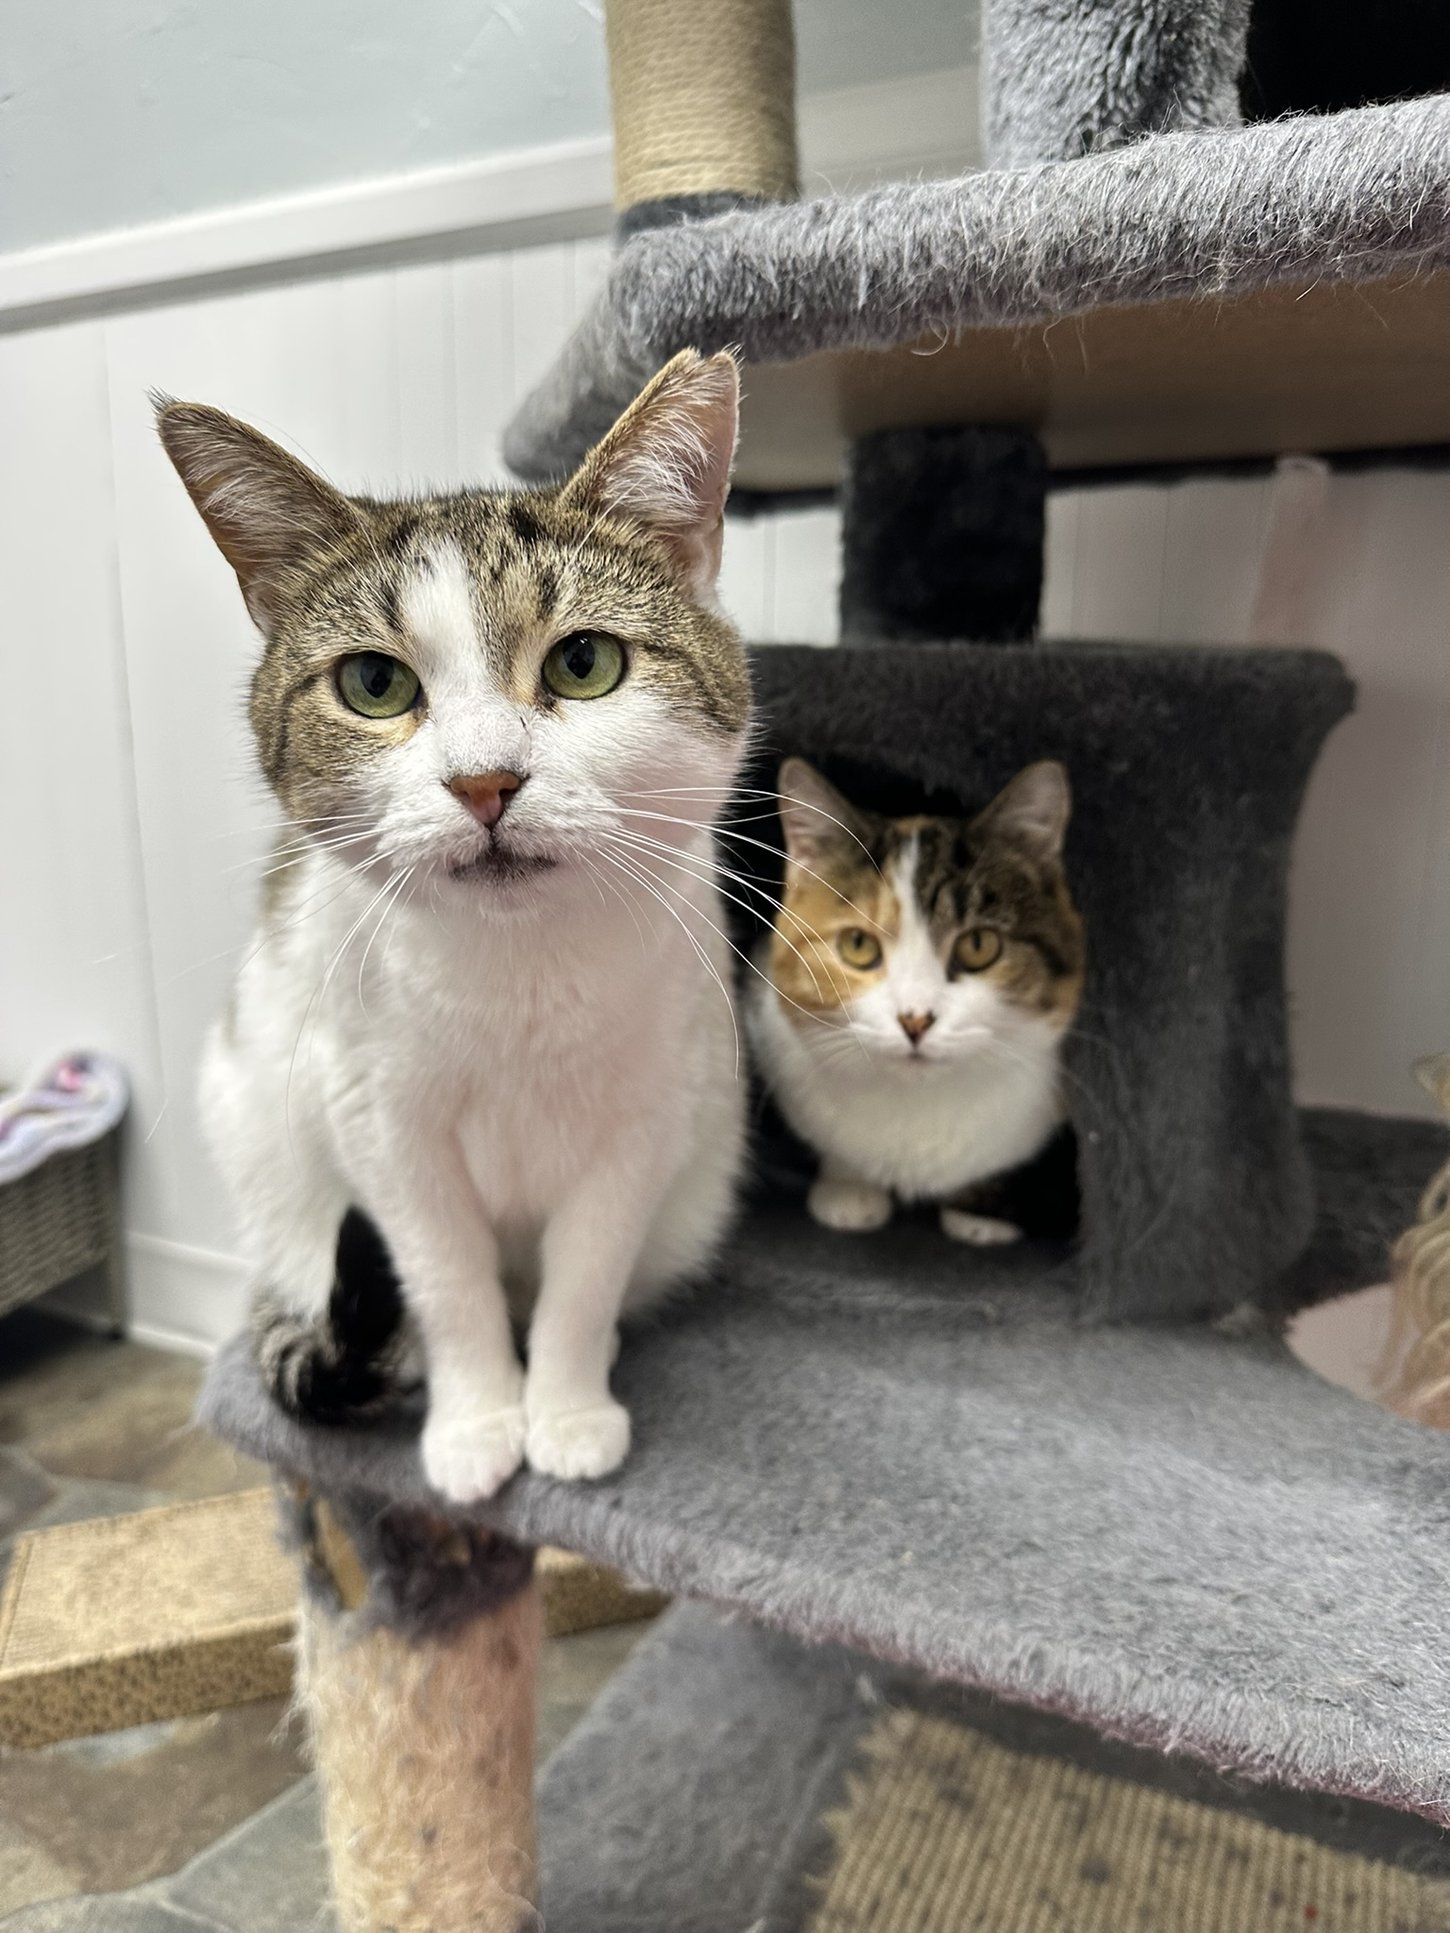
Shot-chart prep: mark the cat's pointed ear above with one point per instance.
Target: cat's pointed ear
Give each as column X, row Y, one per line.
column 267, row 512
column 1032, row 810
column 666, row 463
column 814, row 816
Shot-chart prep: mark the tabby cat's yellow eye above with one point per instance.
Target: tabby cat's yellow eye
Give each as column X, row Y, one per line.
column 858, row 949
column 377, row 686
column 586, row 665
column 978, row 947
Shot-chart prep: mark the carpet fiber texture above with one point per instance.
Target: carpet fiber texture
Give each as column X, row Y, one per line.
column 1183, row 1539
column 942, row 536
column 1187, row 768
column 1073, row 76
column 946, row 1831
column 730, row 1779
column 1214, row 213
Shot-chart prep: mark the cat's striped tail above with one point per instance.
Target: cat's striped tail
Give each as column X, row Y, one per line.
column 346, row 1363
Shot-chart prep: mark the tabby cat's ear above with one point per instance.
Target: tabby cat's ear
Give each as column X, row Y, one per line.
column 815, row 817
column 1032, row 810
column 267, row 512
column 666, row 463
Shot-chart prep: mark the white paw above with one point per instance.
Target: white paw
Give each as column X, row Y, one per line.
column 467, row 1458
column 851, row 1205
column 982, row 1231
column 586, row 1442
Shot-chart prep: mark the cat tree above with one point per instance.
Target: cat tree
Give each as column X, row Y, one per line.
column 1041, row 1473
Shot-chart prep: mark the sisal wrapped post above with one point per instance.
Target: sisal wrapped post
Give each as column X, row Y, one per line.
column 417, row 1665
column 703, row 94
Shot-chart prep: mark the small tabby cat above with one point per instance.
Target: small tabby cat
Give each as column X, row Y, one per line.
column 485, row 1030
column 922, row 975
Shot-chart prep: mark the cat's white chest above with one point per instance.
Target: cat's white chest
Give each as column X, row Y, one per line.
column 542, row 1100
column 923, row 1132
column 539, row 1062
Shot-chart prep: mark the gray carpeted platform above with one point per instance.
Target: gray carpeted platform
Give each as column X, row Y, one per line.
column 1184, row 1540
column 1207, row 213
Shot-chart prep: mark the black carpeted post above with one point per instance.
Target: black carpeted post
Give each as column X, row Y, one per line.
column 942, row 535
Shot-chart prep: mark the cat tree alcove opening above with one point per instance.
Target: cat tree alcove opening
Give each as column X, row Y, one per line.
column 1195, row 1193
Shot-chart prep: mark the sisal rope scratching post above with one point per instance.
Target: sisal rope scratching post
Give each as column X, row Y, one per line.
column 703, row 99
column 418, row 1655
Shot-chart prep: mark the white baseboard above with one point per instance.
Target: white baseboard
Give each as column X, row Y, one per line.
column 184, row 1298
column 918, row 124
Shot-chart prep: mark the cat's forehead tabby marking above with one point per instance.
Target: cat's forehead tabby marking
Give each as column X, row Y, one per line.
column 629, row 547
column 495, row 575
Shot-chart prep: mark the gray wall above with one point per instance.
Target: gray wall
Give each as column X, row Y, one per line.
column 118, row 112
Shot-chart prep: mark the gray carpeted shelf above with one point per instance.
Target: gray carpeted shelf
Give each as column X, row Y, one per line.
column 1213, row 280
column 1184, row 1539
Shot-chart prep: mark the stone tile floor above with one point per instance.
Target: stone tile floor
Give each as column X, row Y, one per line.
column 89, row 1428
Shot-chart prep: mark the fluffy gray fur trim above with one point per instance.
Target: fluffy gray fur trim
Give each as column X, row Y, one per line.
column 1073, row 76
column 1342, row 197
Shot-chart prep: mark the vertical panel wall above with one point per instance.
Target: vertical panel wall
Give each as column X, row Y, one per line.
column 129, row 873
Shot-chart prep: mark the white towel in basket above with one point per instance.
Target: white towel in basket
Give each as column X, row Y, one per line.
column 72, row 1102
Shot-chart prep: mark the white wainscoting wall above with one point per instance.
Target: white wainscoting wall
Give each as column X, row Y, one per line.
column 135, row 828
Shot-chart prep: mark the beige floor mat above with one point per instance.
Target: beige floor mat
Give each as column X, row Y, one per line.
column 946, row 1831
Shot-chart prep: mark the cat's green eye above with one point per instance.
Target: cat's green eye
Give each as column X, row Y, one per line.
column 587, row 665
column 978, row 948
column 377, row 686
column 858, row 949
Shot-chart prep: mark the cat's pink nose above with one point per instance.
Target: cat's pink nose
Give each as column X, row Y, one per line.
column 914, row 1025
column 486, row 794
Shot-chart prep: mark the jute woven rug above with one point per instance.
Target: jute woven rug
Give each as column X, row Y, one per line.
column 946, row 1831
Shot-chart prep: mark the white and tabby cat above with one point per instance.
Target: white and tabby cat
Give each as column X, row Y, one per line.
column 918, row 982
column 470, row 1014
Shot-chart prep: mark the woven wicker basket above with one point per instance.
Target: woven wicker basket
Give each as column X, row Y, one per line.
column 58, row 1220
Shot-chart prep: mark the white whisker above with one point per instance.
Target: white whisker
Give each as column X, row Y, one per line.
column 764, row 845
column 723, row 936
column 675, row 856
column 403, row 879
column 615, row 859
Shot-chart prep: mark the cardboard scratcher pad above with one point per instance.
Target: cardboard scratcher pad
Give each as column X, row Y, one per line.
column 187, row 1608
column 123, row 1620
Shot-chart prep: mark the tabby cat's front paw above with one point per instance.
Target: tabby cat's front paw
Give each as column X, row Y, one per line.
column 586, row 1442
column 982, row 1231
column 854, row 1206
column 469, row 1457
